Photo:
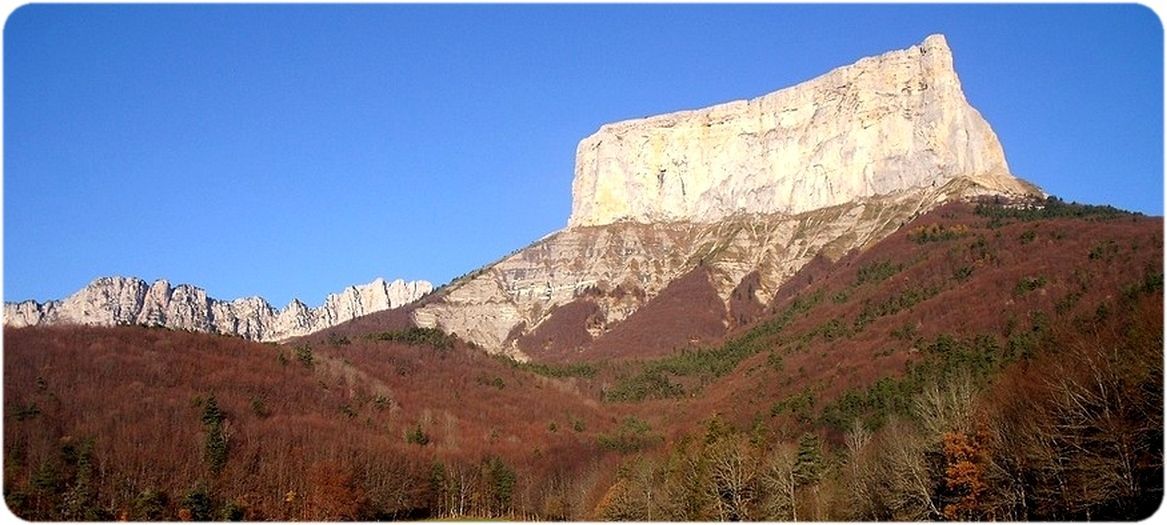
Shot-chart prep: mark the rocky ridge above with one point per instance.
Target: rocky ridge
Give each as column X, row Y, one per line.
column 109, row 301
column 828, row 166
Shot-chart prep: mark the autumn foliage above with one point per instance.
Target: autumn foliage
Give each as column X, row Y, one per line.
column 981, row 363
column 964, row 478
column 141, row 423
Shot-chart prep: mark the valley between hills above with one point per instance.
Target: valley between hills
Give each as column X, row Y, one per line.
column 832, row 302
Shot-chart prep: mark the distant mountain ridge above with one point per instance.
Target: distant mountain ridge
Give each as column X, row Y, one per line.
column 109, row 301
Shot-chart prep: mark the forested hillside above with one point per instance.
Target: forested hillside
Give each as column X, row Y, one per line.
column 987, row 361
column 998, row 361
column 137, row 423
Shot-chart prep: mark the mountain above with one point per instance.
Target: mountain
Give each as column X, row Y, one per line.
column 833, row 302
column 745, row 190
column 109, row 301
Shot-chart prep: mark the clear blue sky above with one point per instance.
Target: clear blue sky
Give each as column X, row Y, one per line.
column 293, row 150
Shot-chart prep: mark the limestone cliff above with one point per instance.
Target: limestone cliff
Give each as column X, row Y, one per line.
column 824, row 167
column 111, row 301
column 882, row 125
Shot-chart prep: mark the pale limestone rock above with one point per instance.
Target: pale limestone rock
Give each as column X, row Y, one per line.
column 378, row 295
column 248, row 317
column 882, row 125
column 827, row 166
column 123, row 300
column 28, row 313
column 296, row 318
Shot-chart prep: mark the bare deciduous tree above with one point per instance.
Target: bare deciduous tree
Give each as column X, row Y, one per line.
column 778, row 482
column 948, row 408
column 859, row 477
column 734, row 474
column 910, row 489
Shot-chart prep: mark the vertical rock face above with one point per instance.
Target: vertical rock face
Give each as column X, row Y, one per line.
column 111, row 301
column 882, row 125
column 824, row 167
column 378, row 295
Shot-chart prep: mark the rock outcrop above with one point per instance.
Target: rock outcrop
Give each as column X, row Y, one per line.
column 109, row 301
column 882, row 125
column 824, row 167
